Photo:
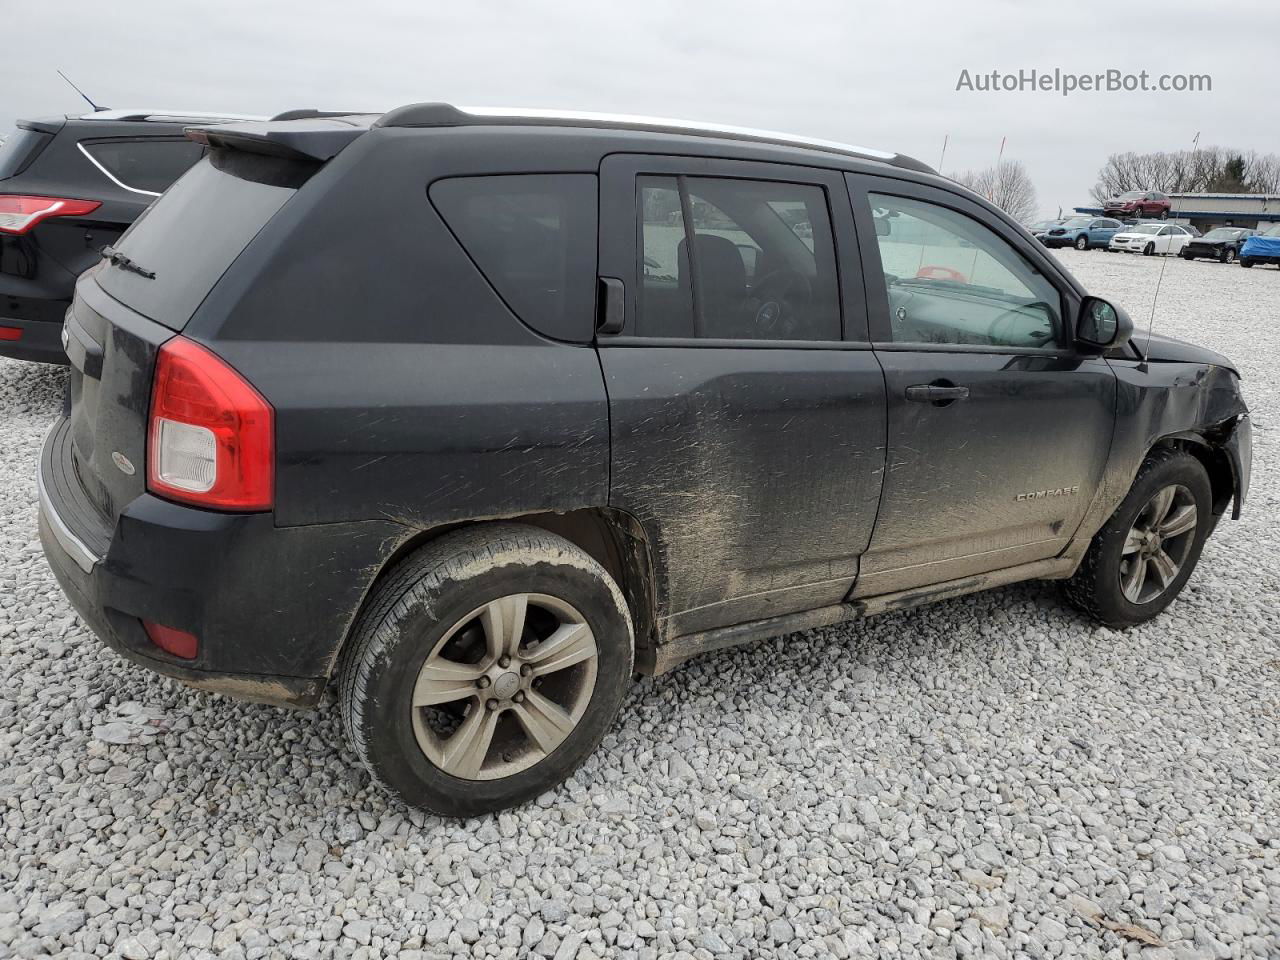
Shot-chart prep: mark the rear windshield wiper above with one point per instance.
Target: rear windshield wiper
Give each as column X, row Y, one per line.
column 118, row 259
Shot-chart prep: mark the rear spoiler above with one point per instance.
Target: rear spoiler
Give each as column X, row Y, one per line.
column 308, row 138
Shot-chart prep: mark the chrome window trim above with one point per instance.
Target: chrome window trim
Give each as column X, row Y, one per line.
column 107, row 173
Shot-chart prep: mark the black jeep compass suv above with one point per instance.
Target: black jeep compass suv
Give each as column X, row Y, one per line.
column 479, row 412
column 69, row 186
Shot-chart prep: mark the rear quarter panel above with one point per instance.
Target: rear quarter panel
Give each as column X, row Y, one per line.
column 404, row 388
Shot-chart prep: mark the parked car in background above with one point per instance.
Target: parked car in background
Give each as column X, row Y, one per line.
column 1151, row 238
column 1083, row 233
column 1038, row 230
column 1138, row 203
column 1262, row 247
column 1222, row 243
column 70, row 186
column 487, row 473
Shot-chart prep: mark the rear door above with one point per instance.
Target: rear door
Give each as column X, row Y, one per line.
column 747, row 410
column 998, row 429
column 1101, row 232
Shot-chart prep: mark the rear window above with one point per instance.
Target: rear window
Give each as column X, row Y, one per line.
column 191, row 235
column 533, row 236
column 149, row 166
column 19, row 149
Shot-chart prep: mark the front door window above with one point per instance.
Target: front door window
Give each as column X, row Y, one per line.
column 952, row 280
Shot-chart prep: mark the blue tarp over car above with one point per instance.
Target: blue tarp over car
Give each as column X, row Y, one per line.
column 1261, row 247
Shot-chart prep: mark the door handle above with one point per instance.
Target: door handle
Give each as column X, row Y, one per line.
column 940, row 393
column 611, row 311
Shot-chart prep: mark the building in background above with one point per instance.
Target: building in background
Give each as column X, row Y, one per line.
column 1204, row 211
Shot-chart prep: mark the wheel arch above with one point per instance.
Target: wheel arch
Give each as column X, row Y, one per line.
column 613, row 538
column 1215, row 460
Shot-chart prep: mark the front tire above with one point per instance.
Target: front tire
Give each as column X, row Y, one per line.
column 1149, row 250
column 485, row 668
column 1082, row 242
column 1246, row 262
column 1141, row 559
column 1228, row 255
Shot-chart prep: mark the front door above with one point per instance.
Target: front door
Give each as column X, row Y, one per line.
column 998, row 429
column 747, row 410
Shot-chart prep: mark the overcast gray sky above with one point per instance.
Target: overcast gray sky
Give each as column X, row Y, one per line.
column 880, row 74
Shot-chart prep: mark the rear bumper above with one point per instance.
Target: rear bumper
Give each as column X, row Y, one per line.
column 270, row 606
column 39, row 340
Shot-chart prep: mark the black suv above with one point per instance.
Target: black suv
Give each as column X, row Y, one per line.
column 478, row 413
column 69, row 186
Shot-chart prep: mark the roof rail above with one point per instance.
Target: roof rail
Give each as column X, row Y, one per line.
column 170, row 116
column 447, row 115
column 311, row 113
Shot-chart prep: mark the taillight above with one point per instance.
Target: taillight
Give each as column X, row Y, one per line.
column 212, row 436
column 20, row 214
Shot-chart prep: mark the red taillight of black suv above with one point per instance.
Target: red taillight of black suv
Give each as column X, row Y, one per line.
column 19, row 214
column 211, row 435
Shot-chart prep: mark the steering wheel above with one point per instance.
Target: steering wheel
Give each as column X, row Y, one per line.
column 935, row 272
column 996, row 332
column 778, row 296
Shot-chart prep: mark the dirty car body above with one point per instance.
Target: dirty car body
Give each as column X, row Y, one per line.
column 906, row 422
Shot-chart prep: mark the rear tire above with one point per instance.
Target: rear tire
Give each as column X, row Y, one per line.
column 497, row 599
column 1106, row 585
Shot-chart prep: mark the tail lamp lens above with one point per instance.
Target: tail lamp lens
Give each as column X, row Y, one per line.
column 212, row 435
column 20, row 214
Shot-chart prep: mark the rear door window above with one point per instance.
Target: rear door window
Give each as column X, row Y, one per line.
column 143, row 166
column 189, row 237
column 729, row 259
column 533, row 236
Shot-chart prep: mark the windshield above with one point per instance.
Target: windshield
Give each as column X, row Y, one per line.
column 1147, row 228
column 1132, row 195
column 1222, row 233
column 1077, row 222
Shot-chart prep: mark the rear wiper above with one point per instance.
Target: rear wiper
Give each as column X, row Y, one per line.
column 118, row 259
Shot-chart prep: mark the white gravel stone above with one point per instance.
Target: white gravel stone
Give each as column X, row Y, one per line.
column 1002, row 779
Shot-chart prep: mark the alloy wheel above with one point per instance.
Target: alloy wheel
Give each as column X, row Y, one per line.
column 505, row 686
column 1158, row 544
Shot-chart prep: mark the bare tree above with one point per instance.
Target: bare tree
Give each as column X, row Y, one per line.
column 1007, row 185
column 1210, row 170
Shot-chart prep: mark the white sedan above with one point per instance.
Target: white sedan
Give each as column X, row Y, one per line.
column 1151, row 238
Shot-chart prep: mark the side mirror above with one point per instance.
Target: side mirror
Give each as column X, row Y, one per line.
column 883, row 227
column 1103, row 325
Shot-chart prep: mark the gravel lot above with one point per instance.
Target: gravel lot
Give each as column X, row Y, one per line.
column 990, row 777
